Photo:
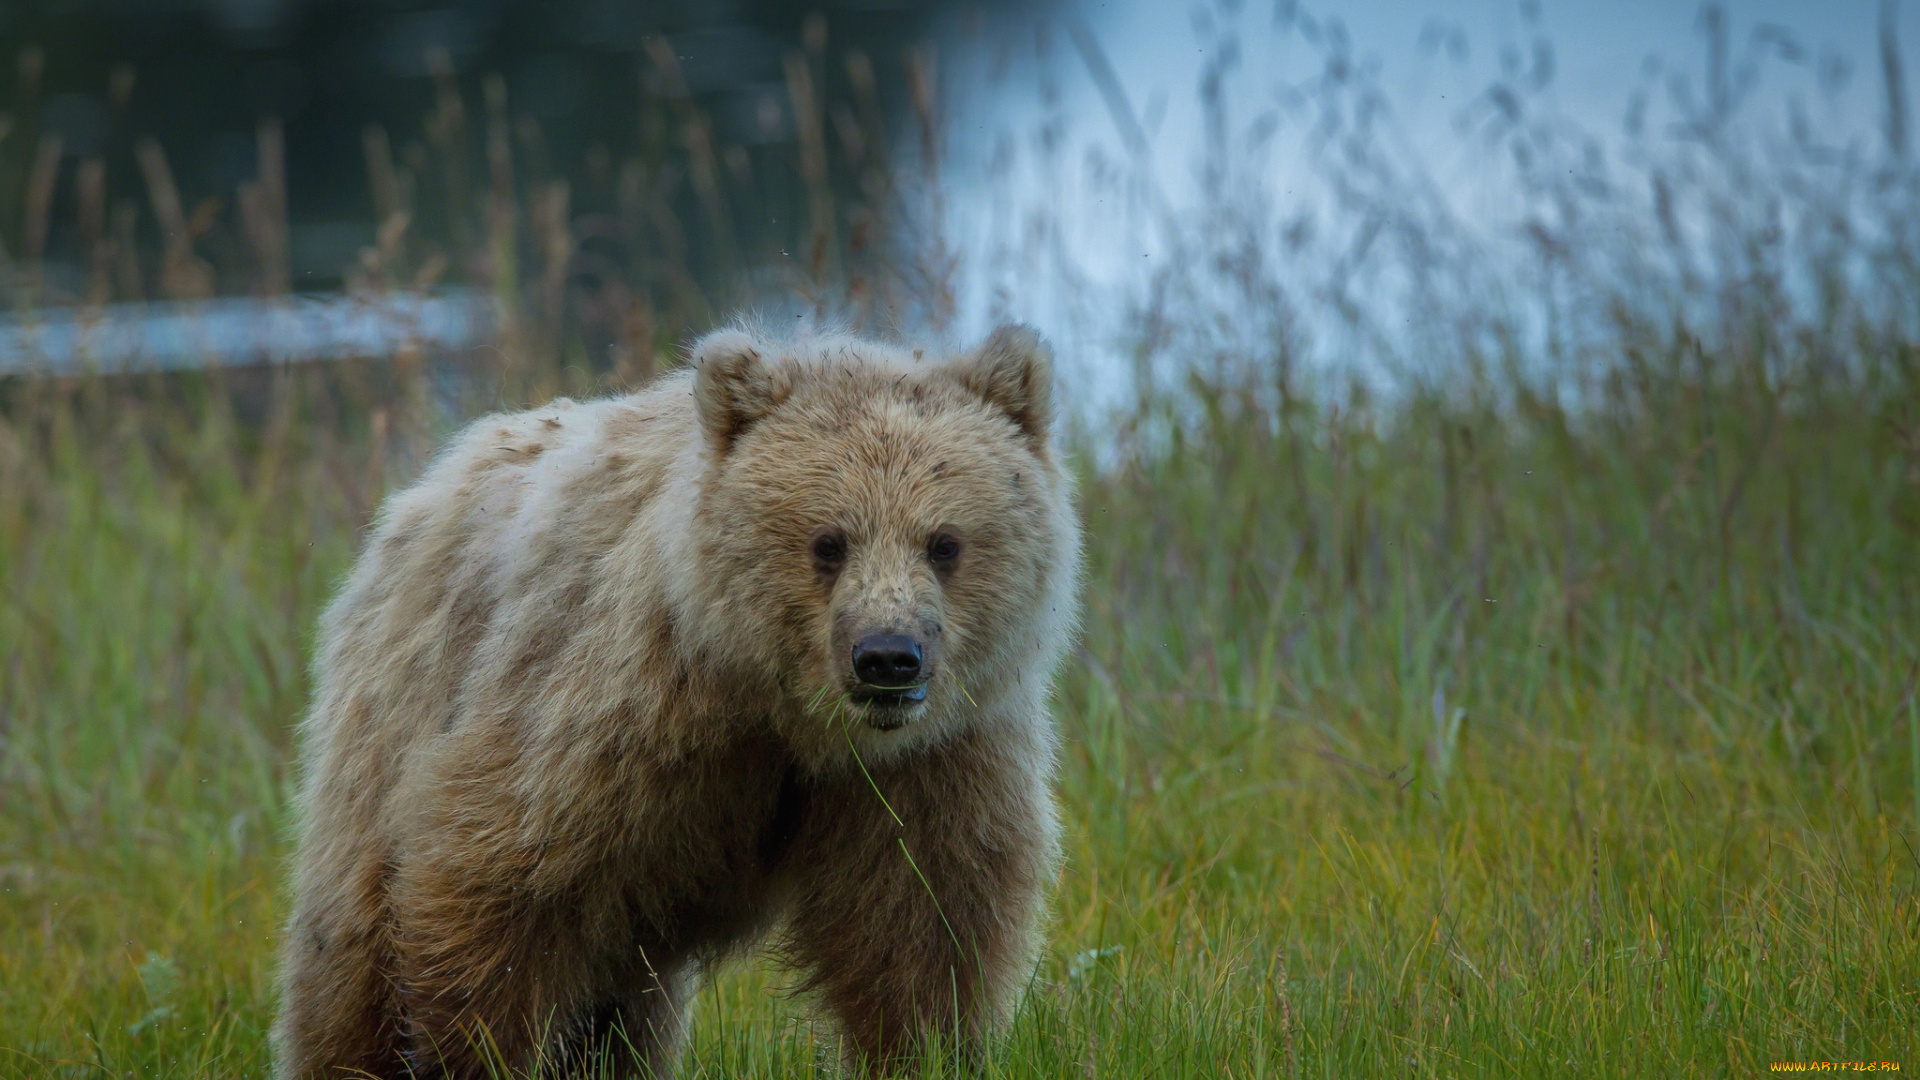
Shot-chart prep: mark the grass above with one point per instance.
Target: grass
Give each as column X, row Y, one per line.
column 1449, row 739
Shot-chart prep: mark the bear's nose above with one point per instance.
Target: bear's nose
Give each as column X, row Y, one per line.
column 887, row 660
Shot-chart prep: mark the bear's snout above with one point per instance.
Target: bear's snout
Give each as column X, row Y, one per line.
column 890, row 673
column 888, row 661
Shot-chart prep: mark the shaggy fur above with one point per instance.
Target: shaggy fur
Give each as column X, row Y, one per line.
column 583, row 721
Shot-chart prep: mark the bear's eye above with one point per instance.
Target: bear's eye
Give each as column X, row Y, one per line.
column 943, row 549
column 829, row 551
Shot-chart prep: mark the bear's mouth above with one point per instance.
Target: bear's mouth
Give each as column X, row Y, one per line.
column 885, row 705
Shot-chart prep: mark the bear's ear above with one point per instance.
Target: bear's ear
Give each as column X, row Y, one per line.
column 1013, row 371
column 733, row 385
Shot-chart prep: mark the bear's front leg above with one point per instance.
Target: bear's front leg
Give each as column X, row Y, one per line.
column 493, row 973
column 516, row 952
column 918, row 916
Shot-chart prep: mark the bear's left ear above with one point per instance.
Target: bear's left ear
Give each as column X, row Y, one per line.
column 1013, row 371
column 733, row 385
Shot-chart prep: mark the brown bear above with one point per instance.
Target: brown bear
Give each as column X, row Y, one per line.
column 620, row 688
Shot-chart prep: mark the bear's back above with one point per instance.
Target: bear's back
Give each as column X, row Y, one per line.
column 533, row 541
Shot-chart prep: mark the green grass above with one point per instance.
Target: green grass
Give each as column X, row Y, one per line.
column 1444, row 739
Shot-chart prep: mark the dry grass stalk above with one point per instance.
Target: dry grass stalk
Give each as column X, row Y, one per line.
column 39, row 201
column 268, row 228
column 90, row 198
column 128, row 279
column 1280, row 1004
column 183, row 275
column 813, row 167
column 382, row 181
column 696, row 134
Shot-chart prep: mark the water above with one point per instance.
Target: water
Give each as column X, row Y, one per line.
column 125, row 338
column 1379, row 185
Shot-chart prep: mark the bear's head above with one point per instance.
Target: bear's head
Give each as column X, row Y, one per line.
column 891, row 536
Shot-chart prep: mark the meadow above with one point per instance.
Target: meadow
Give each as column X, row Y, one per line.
column 1488, row 728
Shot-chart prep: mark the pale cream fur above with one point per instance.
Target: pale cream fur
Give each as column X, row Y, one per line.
column 581, row 723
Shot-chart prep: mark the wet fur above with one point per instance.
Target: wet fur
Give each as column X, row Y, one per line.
column 580, row 728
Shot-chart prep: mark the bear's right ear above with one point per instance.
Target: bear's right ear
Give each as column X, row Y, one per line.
column 1013, row 371
column 733, row 385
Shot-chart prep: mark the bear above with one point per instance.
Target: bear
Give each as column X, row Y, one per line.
column 759, row 654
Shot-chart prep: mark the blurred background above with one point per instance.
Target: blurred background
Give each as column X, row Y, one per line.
column 363, row 107
column 1498, row 425
column 594, row 178
column 612, row 173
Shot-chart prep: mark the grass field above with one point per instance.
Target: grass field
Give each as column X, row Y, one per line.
column 1447, row 739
